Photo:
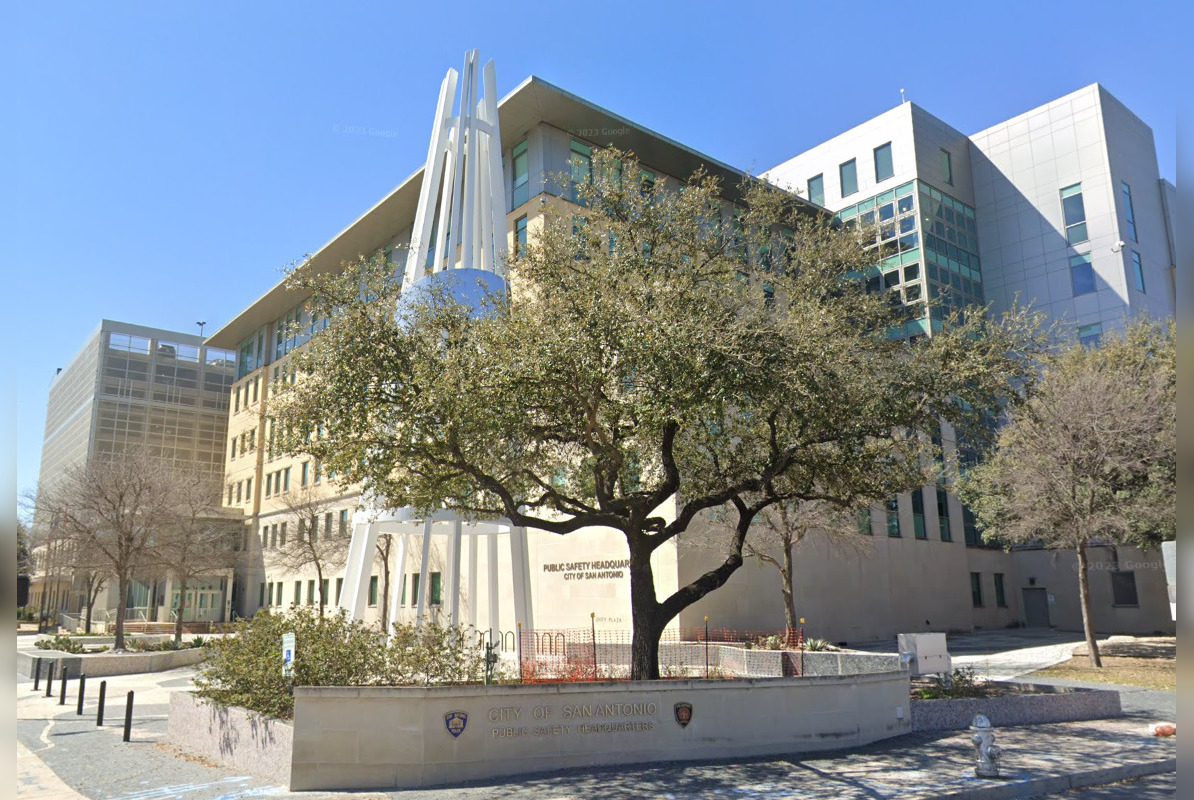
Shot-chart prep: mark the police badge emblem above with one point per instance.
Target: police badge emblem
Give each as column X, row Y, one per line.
column 683, row 712
column 455, row 721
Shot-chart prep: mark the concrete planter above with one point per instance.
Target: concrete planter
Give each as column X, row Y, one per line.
column 236, row 737
column 1029, row 704
column 96, row 665
column 397, row 738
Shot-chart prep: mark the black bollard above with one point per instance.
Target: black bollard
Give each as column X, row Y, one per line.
column 82, row 690
column 62, row 691
column 99, row 715
column 36, row 673
column 128, row 717
column 50, row 681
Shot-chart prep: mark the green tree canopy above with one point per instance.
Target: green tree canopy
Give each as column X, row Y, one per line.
column 659, row 354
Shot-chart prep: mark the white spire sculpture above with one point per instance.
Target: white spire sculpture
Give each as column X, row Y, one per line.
column 467, row 240
column 464, row 170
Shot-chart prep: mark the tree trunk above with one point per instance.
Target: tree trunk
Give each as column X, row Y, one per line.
column 1092, row 644
column 90, row 605
column 645, row 613
column 786, row 587
column 319, row 576
column 182, row 600
column 122, row 603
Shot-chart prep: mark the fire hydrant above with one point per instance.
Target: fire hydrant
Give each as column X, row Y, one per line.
column 988, row 753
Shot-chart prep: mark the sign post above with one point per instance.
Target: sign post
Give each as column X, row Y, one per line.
column 288, row 655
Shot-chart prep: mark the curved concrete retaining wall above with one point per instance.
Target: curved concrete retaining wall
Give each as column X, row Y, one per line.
column 97, row 665
column 1029, row 704
column 384, row 738
column 236, row 737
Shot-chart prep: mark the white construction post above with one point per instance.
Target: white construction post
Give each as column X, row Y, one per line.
column 357, row 568
column 454, row 585
column 421, row 604
column 396, row 591
column 520, row 568
column 494, row 621
column 472, row 581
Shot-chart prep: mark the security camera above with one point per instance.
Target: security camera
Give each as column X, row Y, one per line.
column 1115, row 248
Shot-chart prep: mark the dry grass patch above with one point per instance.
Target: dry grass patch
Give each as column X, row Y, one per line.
column 1150, row 662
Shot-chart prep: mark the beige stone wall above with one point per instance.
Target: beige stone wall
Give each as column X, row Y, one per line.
column 380, row 738
column 1056, row 571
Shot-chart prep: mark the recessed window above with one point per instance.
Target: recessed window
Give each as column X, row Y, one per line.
column 970, row 526
column 580, row 162
column 918, row 515
column 943, row 515
column 947, row 166
column 1073, row 212
column 520, row 236
column 1129, row 212
column 893, row 517
column 864, row 522
column 848, row 174
column 884, row 168
column 1082, row 274
column 1000, row 593
column 1090, row 335
column 976, row 589
column 816, row 189
column 373, row 590
column 1138, row 271
column 520, row 165
column 437, row 587
column 1123, row 588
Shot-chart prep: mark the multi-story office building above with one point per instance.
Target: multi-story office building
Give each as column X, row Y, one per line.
column 163, row 392
column 945, row 217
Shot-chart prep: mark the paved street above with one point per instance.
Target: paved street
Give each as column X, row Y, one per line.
column 62, row 756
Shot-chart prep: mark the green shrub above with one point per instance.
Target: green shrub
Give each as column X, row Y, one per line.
column 60, row 642
column 962, row 684
column 246, row 669
column 817, row 645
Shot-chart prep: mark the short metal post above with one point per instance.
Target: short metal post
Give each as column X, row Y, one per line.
column 706, row 648
column 50, row 680
column 36, row 673
column 519, row 626
column 128, row 717
column 593, row 620
column 99, row 715
column 82, row 691
column 62, row 690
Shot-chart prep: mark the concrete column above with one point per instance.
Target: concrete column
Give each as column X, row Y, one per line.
column 355, row 594
column 396, row 589
column 494, row 622
column 454, row 600
column 421, row 603
column 472, row 581
column 520, row 567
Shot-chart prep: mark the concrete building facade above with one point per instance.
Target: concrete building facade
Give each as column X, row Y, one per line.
column 132, row 386
column 946, row 221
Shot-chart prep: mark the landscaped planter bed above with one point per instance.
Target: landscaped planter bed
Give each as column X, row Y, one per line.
column 1017, row 704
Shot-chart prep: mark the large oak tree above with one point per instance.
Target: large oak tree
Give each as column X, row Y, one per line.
column 660, row 354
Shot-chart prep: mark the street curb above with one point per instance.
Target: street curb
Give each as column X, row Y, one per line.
column 1060, row 783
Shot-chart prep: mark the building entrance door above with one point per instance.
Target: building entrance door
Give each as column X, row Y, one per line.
column 1036, row 607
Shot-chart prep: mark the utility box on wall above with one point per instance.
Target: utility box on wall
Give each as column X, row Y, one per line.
column 925, row 653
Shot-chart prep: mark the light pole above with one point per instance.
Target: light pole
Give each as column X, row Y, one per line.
column 200, row 324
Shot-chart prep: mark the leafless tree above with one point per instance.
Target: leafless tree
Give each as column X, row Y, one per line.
column 315, row 543
column 90, row 568
column 112, row 507
column 199, row 537
column 780, row 529
column 1091, row 458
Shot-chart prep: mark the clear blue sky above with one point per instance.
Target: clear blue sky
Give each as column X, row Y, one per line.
column 162, row 161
